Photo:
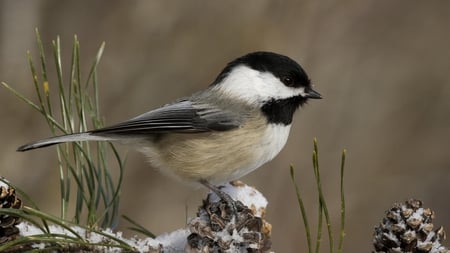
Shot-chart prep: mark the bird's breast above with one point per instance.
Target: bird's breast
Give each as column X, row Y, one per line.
column 218, row 156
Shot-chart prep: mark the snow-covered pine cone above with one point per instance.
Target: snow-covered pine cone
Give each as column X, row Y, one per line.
column 217, row 229
column 8, row 199
column 408, row 227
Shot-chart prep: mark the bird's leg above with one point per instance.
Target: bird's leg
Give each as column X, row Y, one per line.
column 222, row 195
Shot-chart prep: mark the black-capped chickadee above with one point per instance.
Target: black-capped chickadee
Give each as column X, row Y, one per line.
column 240, row 122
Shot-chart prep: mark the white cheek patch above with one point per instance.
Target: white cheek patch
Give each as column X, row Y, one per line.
column 256, row 87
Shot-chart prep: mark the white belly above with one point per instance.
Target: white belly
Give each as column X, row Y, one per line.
column 218, row 157
column 275, row 137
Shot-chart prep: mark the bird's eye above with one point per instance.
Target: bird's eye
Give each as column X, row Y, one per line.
column 287, row 81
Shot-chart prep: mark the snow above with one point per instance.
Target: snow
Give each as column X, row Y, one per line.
column 27, row 229
column 3, row 182
column 175, row 241
column 249, row 196
column 170, row 242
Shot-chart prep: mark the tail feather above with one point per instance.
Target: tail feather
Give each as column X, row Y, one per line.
column 63, row 138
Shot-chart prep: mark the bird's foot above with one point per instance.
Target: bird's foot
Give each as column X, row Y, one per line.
column 233, row 206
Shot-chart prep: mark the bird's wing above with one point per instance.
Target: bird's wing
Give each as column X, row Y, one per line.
column 181, row 117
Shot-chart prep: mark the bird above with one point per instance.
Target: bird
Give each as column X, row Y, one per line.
column 238, row 123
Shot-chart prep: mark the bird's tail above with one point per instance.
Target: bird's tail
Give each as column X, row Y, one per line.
column 87, row 136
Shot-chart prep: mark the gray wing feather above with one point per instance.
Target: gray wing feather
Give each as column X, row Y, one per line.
column 183, row 116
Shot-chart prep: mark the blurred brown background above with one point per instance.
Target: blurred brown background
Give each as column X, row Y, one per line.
column 382, row 66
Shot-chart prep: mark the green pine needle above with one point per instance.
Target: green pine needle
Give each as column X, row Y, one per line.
column 302, row 210
column 342, row 229
column 322, row 206
column 138, row 228
column 90, row 194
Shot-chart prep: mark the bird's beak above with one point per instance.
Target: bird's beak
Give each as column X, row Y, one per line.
column 310, row 93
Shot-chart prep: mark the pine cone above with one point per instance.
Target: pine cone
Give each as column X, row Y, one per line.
column 407, row 227
column 8, row 199
column 217, row 229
